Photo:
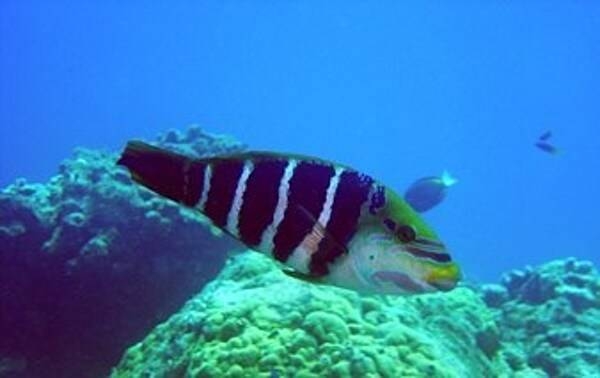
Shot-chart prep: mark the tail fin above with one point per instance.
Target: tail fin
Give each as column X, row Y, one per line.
column 164, row 172
column 448, row 180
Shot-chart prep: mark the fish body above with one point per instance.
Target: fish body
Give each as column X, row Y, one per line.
column 543, row 143
column 545, row 136
column 326, row 222
column 428, row 192
column 546, row 147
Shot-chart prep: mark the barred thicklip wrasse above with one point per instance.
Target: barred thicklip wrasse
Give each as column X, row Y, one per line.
column 327, row 223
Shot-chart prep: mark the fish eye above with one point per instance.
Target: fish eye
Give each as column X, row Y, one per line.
column 406, row 233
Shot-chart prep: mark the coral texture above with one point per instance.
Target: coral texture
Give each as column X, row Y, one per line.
column 90, row 262
column 550, row 317
column 254, row 321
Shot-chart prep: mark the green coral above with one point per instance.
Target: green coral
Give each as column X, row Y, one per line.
column 326, row 327
column 537, row 323
column 264, row 322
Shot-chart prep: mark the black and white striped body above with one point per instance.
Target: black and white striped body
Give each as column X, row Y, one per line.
column 303, row 212
column 321, row 219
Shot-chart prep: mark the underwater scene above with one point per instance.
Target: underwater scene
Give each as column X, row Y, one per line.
column 299, row 189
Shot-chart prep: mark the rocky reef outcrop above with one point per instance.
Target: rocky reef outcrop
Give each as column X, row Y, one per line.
column 90, row 262
column 549, row 317
column 254, row 321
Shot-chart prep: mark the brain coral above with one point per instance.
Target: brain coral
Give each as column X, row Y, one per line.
column 255, row 321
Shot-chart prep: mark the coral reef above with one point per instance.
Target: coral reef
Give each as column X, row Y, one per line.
column 254, row 321
column 90, row 262
column 550, row 317
column 197, row 143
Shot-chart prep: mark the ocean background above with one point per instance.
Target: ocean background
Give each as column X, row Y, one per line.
column 397, row 90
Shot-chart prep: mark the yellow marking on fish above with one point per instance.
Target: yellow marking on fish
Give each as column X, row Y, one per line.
column 443, row 272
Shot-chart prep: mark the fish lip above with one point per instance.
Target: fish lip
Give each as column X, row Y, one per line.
column 443, row 285
column 401, row 280
column 444, row 278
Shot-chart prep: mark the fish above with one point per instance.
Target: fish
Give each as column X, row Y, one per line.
column 545, row 136
column 547, row 147
column 323, row 222
column 543, row 143
column 428, row 192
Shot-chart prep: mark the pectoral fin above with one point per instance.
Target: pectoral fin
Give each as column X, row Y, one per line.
column 323, row 235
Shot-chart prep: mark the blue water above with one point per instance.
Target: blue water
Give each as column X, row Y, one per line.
column 397, row 90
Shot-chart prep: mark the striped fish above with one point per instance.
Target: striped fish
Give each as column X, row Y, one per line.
column 325, row 222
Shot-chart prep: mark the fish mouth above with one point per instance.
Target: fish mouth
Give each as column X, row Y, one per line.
column 443, row 285
column 401, row 280
column 444, row 274
column 444, row 278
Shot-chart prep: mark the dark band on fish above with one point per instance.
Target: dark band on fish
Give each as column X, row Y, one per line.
column 223, row 183
column 429, row 242
column 352, row 192
column 307, row 191
column 260, row 200
column 172, row 175
column 429, row 245
column 435, row 256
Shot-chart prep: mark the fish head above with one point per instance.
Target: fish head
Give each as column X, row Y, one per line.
column 395, row 252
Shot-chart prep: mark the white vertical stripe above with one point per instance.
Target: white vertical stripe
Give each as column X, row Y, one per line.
column 331, row 190
column 206, row 187
column 238, row 199
column 300, row 258
column 266, row 244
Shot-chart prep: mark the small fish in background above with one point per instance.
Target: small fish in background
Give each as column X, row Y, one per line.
column 324, row 222
column 428, row 192
column 543, row 144
column 545, row 136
